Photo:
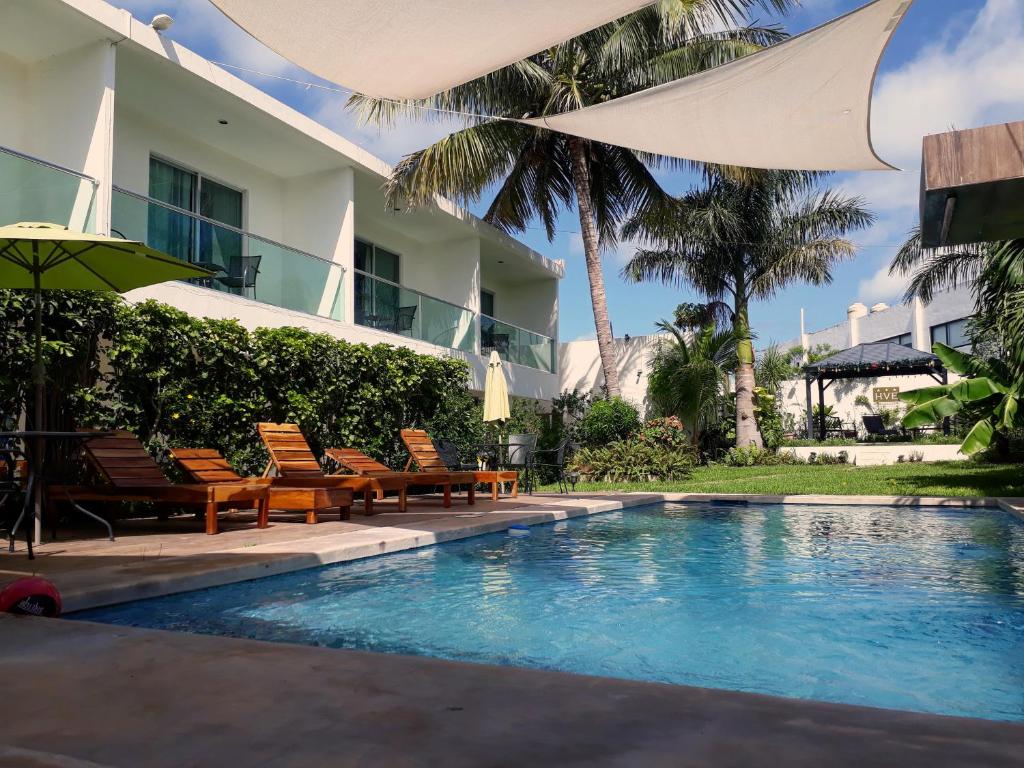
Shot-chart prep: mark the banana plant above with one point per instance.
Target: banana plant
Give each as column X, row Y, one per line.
column 987, row 385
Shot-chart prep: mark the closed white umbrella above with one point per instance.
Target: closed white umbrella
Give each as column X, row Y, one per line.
column 495, row 391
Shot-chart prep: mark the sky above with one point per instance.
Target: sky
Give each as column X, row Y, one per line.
column 951, row 64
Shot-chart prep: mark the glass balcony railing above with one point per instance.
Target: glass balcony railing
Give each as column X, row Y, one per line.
column 245, row 264
column 389, row 307
column 35, row 190
column 517, row 345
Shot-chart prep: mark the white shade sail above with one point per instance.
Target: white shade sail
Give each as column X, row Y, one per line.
column 414, row 49
column 804, row 104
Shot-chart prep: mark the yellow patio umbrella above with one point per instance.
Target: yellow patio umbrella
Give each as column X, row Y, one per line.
column 40, row 256
column 495, row 391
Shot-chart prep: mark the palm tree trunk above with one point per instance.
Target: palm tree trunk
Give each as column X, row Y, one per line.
column 592, row 252
column 747, row 432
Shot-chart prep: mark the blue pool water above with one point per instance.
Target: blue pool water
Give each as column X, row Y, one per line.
column 919, row 609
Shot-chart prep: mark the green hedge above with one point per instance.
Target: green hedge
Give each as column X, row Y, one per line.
column 180, row 381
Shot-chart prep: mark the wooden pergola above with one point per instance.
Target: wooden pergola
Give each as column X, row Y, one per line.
column 972, row 184
column 867, row 361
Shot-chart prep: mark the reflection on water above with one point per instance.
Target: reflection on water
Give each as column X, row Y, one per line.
column 900, row 607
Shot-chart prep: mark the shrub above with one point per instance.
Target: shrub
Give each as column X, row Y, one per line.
column 180, row 381
column 752, row 456
column 608, row 421
column 669, row 433
column 842, row 457
column 632, row 461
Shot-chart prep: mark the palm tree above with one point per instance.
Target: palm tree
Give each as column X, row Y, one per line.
column 932, row 270
column 690, row 376
column 537, row 172
column 739, row 240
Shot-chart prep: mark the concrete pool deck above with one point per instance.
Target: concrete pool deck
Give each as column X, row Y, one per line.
column 125, row 697
column 152, row 558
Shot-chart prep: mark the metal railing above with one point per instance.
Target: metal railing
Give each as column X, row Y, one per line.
column 390, row 307
column 32, row 189
column 517, row 345
column 244, row 264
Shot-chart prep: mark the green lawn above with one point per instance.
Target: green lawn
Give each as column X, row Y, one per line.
column 950, row 478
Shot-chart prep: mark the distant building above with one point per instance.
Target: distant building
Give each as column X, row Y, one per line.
column 915, row 325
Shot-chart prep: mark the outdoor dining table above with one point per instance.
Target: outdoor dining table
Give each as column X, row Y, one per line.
column 35, row 488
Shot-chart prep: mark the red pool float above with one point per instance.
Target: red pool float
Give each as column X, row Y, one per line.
column 30, row 596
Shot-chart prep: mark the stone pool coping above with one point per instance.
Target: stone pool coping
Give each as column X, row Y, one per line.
column 119, row 696
column 148, row 574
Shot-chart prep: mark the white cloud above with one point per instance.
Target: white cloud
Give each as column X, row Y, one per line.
column 969, row 76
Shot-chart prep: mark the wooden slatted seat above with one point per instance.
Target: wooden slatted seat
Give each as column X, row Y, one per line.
column 131, row 474
column 205, row 465
column 423, row 454
column 358, row 462
column 291, row 457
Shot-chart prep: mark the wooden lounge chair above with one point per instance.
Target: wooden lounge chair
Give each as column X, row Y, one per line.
column 423, row 454
column 131, row 474
column 205, row 465
column 358, row 462
column 291, row 457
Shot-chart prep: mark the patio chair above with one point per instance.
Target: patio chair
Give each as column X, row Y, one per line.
column 449, row 453
column 207, row 466
column 294, row 462
column 553, row 459
column 404, row 319
column 242, row 274
column 426, row 458
column 875, row 426
column 358, row 462
column 519, row 458
column 129, row 473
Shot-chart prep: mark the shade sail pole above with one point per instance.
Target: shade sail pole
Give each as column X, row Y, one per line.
column 38, row 377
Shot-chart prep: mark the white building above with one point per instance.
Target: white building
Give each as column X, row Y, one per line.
column 916, row 325
column 109, row 127
column 579, row 366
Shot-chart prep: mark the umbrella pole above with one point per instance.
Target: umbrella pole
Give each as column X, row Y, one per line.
column 37, row 375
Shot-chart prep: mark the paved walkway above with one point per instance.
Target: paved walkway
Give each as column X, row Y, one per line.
column 130, row 698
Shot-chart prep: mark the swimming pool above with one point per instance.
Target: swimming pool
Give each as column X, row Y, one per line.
column 911, row 608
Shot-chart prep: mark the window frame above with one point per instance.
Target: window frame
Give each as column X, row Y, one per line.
column 200, row 175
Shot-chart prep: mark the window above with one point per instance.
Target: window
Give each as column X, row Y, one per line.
column 183, row 236
column 952, row 334
column 378, row 295
column 487, row 303
column 904, row 340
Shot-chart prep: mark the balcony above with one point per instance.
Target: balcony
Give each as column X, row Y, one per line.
column 245, row 264
column 517, row 345
column 35, row 190
column 393, row 308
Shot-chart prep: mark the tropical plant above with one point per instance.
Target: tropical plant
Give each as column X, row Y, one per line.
column 988, row 385
column 538, row 172
column 752, row 456
column 608, row 421
column 741, row 240
column 690, row 377
column 774, row 366
column 632, row 461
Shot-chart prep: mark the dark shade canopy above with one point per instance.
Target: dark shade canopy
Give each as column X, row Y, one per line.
column 867, row 361
column 873, row 360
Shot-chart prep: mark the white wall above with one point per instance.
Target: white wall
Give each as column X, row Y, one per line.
column 579, row 366
column 136, row 137
column 59, row 110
